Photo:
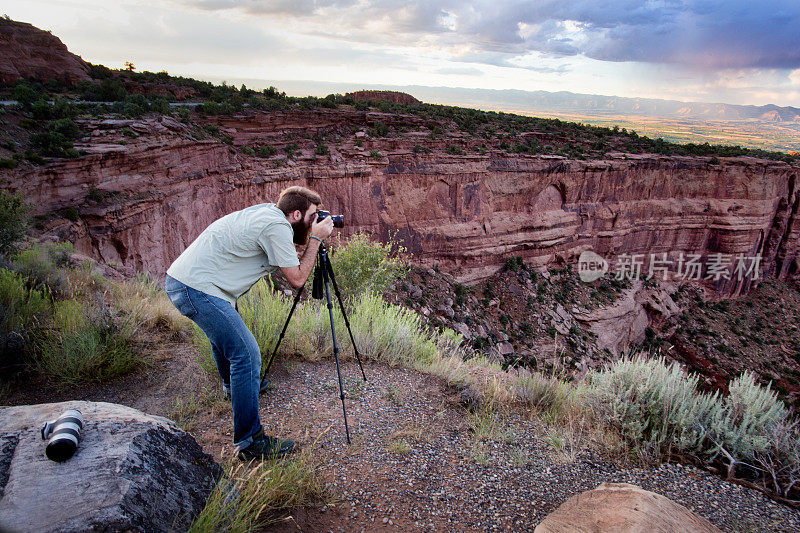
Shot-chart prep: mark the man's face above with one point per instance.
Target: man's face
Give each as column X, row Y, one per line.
column 303, row 226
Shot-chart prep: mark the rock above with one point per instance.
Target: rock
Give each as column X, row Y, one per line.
column 499, row 336
column 620, row 325
column 29, row 52
column 396, row 97
column 132, row 471
column 623, row 508
column 448, row 302
column 463, row 329
column 480, row 331
column 446, row 311
column 505, row 348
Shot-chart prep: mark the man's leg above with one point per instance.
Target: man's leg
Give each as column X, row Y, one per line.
column 235, row 344
column 224, row 369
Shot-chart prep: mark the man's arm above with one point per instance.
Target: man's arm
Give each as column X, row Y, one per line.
column 297, row 275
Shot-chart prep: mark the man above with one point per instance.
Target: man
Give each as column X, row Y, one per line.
column 222, row 263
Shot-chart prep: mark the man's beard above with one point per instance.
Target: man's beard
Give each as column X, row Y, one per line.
column 301, row 232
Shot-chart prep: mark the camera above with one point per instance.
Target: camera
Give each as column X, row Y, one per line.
column 338, row 220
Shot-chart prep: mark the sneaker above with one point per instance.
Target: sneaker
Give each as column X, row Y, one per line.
column 226, row 388
column 266, row 447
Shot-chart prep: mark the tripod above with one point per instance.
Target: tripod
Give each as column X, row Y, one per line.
column 324, row 277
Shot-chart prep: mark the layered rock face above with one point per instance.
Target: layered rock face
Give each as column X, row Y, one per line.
column 465, row 213
column 29, row 52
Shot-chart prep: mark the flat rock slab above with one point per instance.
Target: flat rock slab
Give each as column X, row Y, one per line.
column 623, row 508
column 131, row 472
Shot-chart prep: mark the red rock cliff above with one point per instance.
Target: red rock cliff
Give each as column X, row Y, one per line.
column 29, row 52
column 464, row 213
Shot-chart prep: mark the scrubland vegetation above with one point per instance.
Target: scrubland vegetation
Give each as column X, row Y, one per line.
column 52, row 128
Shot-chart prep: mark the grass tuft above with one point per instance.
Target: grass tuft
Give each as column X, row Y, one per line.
column 250, row 497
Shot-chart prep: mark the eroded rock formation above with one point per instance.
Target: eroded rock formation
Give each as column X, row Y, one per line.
column 465, row 213
column 29, row 52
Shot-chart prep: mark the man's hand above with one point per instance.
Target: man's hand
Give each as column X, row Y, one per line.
column 322, row 229
column 297, row 276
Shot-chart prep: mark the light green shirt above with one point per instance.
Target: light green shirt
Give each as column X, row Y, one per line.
column 234, row 252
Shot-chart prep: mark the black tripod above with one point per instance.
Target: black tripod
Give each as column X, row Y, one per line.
column 323, row 277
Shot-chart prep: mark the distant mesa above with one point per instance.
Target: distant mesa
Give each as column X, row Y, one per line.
column 29, row 52
column 395, row 97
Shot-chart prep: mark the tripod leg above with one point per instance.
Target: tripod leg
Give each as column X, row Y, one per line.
column 336, row 351
column 329, row 267
column 283, row 331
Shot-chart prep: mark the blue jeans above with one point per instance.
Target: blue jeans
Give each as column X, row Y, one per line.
column 235, row 351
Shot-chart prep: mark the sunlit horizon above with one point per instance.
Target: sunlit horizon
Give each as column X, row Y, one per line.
column 736, row 53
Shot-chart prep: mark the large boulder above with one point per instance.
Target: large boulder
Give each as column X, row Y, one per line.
column 622, row 508
column 131, row 472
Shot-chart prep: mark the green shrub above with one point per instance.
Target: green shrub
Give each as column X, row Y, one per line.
column 266, row 151
column 13, row 222
column 653, row 405
column 382, row 331
column 25, row 95
column 541, row 393
column 22, row 312
column 363, row 265
column 658, row 408
column 86, row 345
column 41, row 265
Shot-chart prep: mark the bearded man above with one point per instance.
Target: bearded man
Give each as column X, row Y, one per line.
column 220, row 265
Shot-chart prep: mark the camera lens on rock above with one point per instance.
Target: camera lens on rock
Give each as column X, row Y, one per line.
column 338, row 220
column 64, row 433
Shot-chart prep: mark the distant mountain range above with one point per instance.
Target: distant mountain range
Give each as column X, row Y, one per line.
column 554, row 102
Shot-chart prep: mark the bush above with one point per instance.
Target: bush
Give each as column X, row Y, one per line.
column 22, row 311
column 658, row 407
column 382, row 331
column 40, row 265
column 25, row 95
column 654, row 406
column 266, row 151
column 13, row 222
column 86, row 346
column 363, row 265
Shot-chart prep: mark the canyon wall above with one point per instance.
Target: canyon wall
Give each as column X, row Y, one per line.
column 140, row 204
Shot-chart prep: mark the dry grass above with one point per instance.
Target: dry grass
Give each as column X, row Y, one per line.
column 252, row 496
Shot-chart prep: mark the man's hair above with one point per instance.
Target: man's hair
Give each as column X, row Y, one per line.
column 297, row 198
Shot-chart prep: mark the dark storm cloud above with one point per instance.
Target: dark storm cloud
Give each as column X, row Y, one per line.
column 711, row 34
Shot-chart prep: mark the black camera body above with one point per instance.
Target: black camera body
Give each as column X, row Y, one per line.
column 338, row 220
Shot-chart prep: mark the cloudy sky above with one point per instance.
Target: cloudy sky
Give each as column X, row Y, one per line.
column 734, row 51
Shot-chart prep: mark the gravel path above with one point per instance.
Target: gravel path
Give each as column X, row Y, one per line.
column 415, row 463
